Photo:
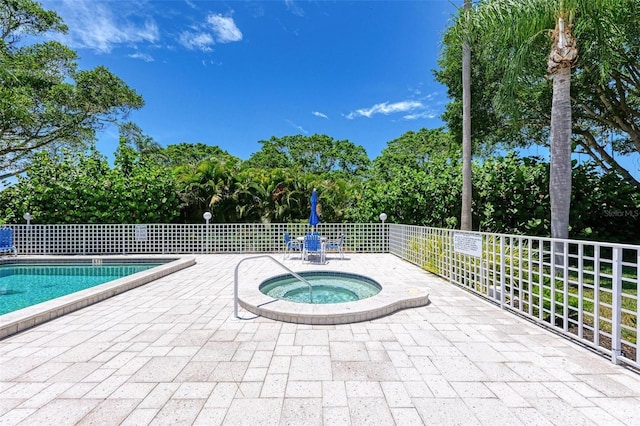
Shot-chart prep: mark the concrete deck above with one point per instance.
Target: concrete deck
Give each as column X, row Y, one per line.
column 171, row 352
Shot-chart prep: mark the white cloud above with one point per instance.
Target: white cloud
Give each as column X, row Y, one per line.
column 103, row 26
column 218, row 29
column 96, row 26
column 294, row 8
column 144, row 56
column 386, row 108
column 296, row 126
column 319, row 114
column 196, row 41
column 425, row 114
column 224, row 28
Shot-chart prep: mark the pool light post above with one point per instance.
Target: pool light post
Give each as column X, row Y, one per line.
column 27, row 216
column 383, row 217
column 207, row 218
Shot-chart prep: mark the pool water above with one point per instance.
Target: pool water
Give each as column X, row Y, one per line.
column 327, row 287
column 27, row 285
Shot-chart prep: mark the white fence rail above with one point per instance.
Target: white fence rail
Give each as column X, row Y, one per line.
column 179, row 239
column 588, row 291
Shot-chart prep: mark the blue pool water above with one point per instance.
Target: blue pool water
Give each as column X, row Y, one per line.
column 26, row 285
column 327, row 287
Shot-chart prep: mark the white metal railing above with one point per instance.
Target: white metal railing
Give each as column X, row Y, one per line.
column 263, row 256
column 90, row 239
column 586, row 290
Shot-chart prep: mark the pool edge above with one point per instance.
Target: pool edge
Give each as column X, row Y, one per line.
column 20, row 320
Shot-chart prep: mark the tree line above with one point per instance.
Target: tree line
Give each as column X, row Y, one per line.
column 415, row 180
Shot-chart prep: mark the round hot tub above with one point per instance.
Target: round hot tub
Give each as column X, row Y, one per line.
column 327, row 287
column 338, row 297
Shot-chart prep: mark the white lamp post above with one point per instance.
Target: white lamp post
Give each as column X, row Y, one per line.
column 207, row 218
column 27, row 217
column 383, row 217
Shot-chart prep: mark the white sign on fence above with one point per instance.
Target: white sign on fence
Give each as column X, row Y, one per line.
column 141, row 232
column 469, row 244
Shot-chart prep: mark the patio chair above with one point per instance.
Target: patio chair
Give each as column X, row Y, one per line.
column 291, row 245
column 6, row 241
column 335, row 245
column 313, row 245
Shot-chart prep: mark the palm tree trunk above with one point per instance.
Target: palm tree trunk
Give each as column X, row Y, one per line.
column 466, row 220
column 560, row 173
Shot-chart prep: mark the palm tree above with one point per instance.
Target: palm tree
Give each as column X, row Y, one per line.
column 466, row 221
column 515, row 31
column 207, row 186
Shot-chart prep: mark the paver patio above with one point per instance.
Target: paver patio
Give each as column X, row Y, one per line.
column 171, row 352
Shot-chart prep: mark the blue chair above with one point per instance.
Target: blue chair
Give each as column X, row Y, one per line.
column 290, row 245
column 312, row 245
column 6, row 241
column 336, row 245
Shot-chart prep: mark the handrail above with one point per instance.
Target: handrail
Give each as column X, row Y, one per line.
column 235, row 282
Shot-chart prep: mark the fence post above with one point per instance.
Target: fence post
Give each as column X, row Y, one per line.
column 616, row 305
column 502, row 272
column 451, row 254
column 202, row 240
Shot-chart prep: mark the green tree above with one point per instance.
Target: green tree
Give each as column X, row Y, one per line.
column 268, row 195
column 412, row 173
column 282, row 195
column 208, row 185
column 182, row 154
column 512, row 107
column 142, row 191
column 133, row 136
column 78, row 187
column 316, row 154
column 427, row 195
column 516, row 34
column 414, row 149
column 335, row 197
column 204, row 177
column 511, row 195
column 45, row 101
column 604, row 206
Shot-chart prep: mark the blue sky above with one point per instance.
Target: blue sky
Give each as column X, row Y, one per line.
column 231, row 73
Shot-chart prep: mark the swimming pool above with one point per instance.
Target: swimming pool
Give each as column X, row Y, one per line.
column 66, row 269
column 27, row 285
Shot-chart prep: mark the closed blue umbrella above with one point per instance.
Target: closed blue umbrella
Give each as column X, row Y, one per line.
column 314, row 220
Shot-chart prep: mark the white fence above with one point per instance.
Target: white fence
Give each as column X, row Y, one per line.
column 588, row 291
column 179, row 239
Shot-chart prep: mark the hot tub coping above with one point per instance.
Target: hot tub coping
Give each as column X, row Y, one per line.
column 394, row 296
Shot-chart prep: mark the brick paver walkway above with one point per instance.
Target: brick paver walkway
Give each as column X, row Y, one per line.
column 171, row 352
